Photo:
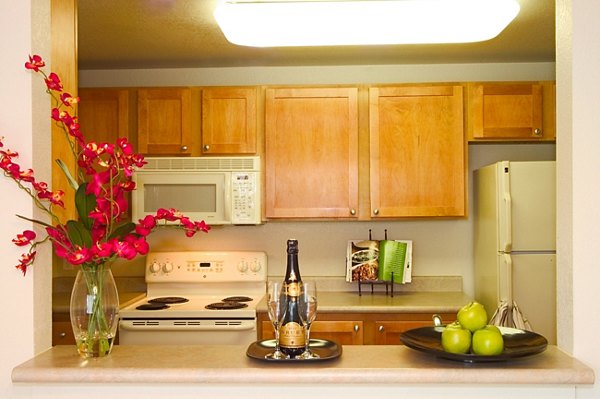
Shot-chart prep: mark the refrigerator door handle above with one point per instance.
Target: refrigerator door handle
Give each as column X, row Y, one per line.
column 505, row 230
column 505, row 280
column 506, row 239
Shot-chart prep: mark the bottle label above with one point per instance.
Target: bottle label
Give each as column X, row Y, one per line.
column 291, row 335
column 293, row 289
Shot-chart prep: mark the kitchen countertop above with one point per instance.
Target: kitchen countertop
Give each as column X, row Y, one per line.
column 401, row 302
column 228, row 365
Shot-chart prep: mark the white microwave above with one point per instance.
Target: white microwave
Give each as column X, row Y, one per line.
column 218, row 190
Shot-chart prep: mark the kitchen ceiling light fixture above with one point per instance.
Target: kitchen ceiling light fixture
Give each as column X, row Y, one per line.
column 282, row 23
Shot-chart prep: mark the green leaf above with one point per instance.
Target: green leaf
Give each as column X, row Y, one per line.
column 122, row 230
column 65, row 170
column 85, row 204
column 78, row 234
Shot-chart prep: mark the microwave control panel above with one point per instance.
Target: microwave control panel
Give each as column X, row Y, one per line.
column 244, row 203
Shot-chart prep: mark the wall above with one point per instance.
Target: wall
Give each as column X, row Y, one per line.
column 578, row 59
column 16, row 126
column 441, row 247
column 42, row 157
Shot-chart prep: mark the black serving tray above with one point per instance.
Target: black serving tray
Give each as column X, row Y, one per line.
column 517, row 344
column 326, row 350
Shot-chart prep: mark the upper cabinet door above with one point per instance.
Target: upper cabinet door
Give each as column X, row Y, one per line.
column 104, row 114
column 164, row 121
column 311, row 139
column 229, row 119
column 417, row 151
column 511, row 111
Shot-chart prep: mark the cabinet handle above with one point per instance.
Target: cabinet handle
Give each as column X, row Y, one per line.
column 356, row 328
column 381, row 329
column 353, row 211
column 375, row 211
column 62, row 334
column 206, row 147
column 537, row 132
column 184, row 148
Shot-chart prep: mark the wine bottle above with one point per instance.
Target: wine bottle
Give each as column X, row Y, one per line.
column 291, row 331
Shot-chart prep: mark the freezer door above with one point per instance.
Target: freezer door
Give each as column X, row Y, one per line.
column 534, row 291
column 493, row 282
column 530, row 210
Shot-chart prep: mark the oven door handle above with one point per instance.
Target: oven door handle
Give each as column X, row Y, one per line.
column 186, row 327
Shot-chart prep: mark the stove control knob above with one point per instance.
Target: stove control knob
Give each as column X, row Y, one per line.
column 256, row 266
column 154, row 267
column 243, row 266
column 167, row 267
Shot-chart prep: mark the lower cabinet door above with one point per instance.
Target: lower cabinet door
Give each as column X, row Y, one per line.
column 62, row 333
column 388, row 332
column 347, row 332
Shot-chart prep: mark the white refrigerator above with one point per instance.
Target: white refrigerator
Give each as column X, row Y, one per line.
column 515, row 240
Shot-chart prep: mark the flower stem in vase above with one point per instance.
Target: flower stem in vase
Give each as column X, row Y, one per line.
column 94, row 310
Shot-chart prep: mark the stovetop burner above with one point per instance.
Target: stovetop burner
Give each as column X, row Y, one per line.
column 169, row 300
column 237, row 299
column 152, row 306
column 161, row 303
column 226, row 305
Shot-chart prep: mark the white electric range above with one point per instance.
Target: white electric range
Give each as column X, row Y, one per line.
column 197, row 298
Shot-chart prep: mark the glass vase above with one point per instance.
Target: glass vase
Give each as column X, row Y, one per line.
column 94, row 310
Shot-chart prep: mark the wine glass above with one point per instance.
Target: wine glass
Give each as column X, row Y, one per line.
column 277, row 308
column 307, row 309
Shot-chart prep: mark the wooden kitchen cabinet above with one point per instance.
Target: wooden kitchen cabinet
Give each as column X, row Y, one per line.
column 165, row 121
column 229, row 120
column 521, row 111
column 62, row 333
column 311, row 148
column 104, row 114
column 417, row 161
column 360, row 328
column 387, row 332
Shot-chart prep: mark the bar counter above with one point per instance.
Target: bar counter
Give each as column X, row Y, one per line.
column 228, row 364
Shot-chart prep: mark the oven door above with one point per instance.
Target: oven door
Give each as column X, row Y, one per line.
column 187, row 331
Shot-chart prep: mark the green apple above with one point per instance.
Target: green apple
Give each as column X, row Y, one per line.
column 456, row 339
column 472, row 316
column 488, row 341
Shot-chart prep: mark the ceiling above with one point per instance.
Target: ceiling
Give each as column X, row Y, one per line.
column 124, row 34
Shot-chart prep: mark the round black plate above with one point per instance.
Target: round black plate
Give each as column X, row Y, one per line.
column 325, row 349
column 517, row 344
